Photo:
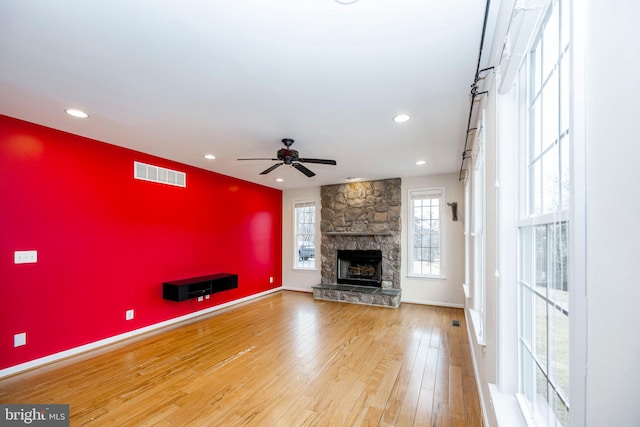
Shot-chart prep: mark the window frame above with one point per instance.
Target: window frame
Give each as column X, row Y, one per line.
column 539, row 387
column 477, row 238
column 297, row 262
column 412, row 194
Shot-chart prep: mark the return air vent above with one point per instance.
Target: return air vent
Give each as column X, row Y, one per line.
column 157, row 174
column 455, row 323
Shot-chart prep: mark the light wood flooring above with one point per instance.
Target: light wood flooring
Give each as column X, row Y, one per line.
column 282, row 360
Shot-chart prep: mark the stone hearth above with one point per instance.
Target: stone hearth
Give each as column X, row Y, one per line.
column 361, row 216
column 358, row 294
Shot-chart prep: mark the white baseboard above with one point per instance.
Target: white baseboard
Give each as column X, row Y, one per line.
column 292, row 288
column 435, row 303
column 101, row 343
column 471, row 343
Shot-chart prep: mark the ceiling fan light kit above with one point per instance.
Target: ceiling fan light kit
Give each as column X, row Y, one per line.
column 289, row 156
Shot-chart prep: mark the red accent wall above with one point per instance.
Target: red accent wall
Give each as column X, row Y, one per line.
column 107, row 241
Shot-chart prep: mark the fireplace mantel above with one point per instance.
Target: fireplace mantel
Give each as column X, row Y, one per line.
column 357, row 233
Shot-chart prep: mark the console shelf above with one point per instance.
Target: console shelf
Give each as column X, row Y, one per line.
column 182, row 290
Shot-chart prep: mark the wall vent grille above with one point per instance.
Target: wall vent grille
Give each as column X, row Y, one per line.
column 152, row 173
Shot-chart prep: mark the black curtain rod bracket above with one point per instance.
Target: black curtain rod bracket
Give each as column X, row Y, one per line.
column 474, row 86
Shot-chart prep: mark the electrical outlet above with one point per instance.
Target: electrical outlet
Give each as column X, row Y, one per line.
column 128, row 315
column 25, row 257
column 270, row 279
column 20, row 339
column 199, row 299
column 207, row 296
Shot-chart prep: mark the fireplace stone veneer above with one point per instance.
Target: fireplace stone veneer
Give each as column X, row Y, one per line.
column 363, row 216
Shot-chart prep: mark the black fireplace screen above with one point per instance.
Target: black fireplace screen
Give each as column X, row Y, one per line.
column 360, row 267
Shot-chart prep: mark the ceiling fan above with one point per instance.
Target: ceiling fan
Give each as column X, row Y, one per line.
column 288, row 156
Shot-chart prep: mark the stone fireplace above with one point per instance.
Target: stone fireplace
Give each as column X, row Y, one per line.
column 359, row 220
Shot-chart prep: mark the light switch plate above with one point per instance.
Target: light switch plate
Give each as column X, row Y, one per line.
column 25, row 257
column 20, row 339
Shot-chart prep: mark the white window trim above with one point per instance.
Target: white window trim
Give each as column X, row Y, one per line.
column 430, row 191
column 297, row 202
column 478, row 227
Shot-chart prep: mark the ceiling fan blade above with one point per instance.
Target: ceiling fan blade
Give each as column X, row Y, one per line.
column 258, row 159
column 303, row 169
column 271, row 168
column 320, row 161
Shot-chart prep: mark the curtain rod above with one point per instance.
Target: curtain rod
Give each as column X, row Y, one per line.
column 474, row 88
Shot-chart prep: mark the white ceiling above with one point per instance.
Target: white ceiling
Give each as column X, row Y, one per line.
column 179, row 79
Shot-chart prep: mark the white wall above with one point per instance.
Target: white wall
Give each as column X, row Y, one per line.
column 486, row 354
column 447, row 291
column 613, row 208
column 299, row 280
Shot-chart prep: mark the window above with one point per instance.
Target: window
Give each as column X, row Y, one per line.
column 543, row 255
column 478, row 182
column 425, row 232
column 305, row 235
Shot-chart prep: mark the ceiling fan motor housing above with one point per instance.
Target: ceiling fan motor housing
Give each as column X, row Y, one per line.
column 287, row 156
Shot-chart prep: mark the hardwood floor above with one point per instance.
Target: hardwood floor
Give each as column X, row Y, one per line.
column 283, row 360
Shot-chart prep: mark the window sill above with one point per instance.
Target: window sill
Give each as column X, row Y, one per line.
column 477, row 320
column 506, row 408
column 304, row 269
column 417, row 276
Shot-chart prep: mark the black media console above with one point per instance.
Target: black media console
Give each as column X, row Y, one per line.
column 181, row 290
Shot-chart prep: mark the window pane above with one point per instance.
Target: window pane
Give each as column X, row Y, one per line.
column 561, row 412
column 526, row 372
column 526, row 256
column 536, row 129
column 435, row 212
column 541, row 395
column 550, row 118
column 564, row 25
column 565, row 173
column 559, row 285
column 559, row 351
column 550, row 181
column 565, row 99
column 540, row 307
column 550, row 43
column 526, row 323
column 536, row 70
column 541, row 258
column 535, row 192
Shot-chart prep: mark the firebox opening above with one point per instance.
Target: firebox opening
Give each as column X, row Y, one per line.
column 360, row 267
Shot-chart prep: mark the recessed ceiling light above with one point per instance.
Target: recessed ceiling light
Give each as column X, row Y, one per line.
column 76, row 113
column 346, row 1
column 400, row 118
column 352, row 178
column 209, row 156
column 421, row 162
column 279, row 180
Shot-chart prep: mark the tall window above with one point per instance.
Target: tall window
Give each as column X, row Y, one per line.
column 543, row 282
column 478, row 234
column 305, row 234
column 425, row 243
